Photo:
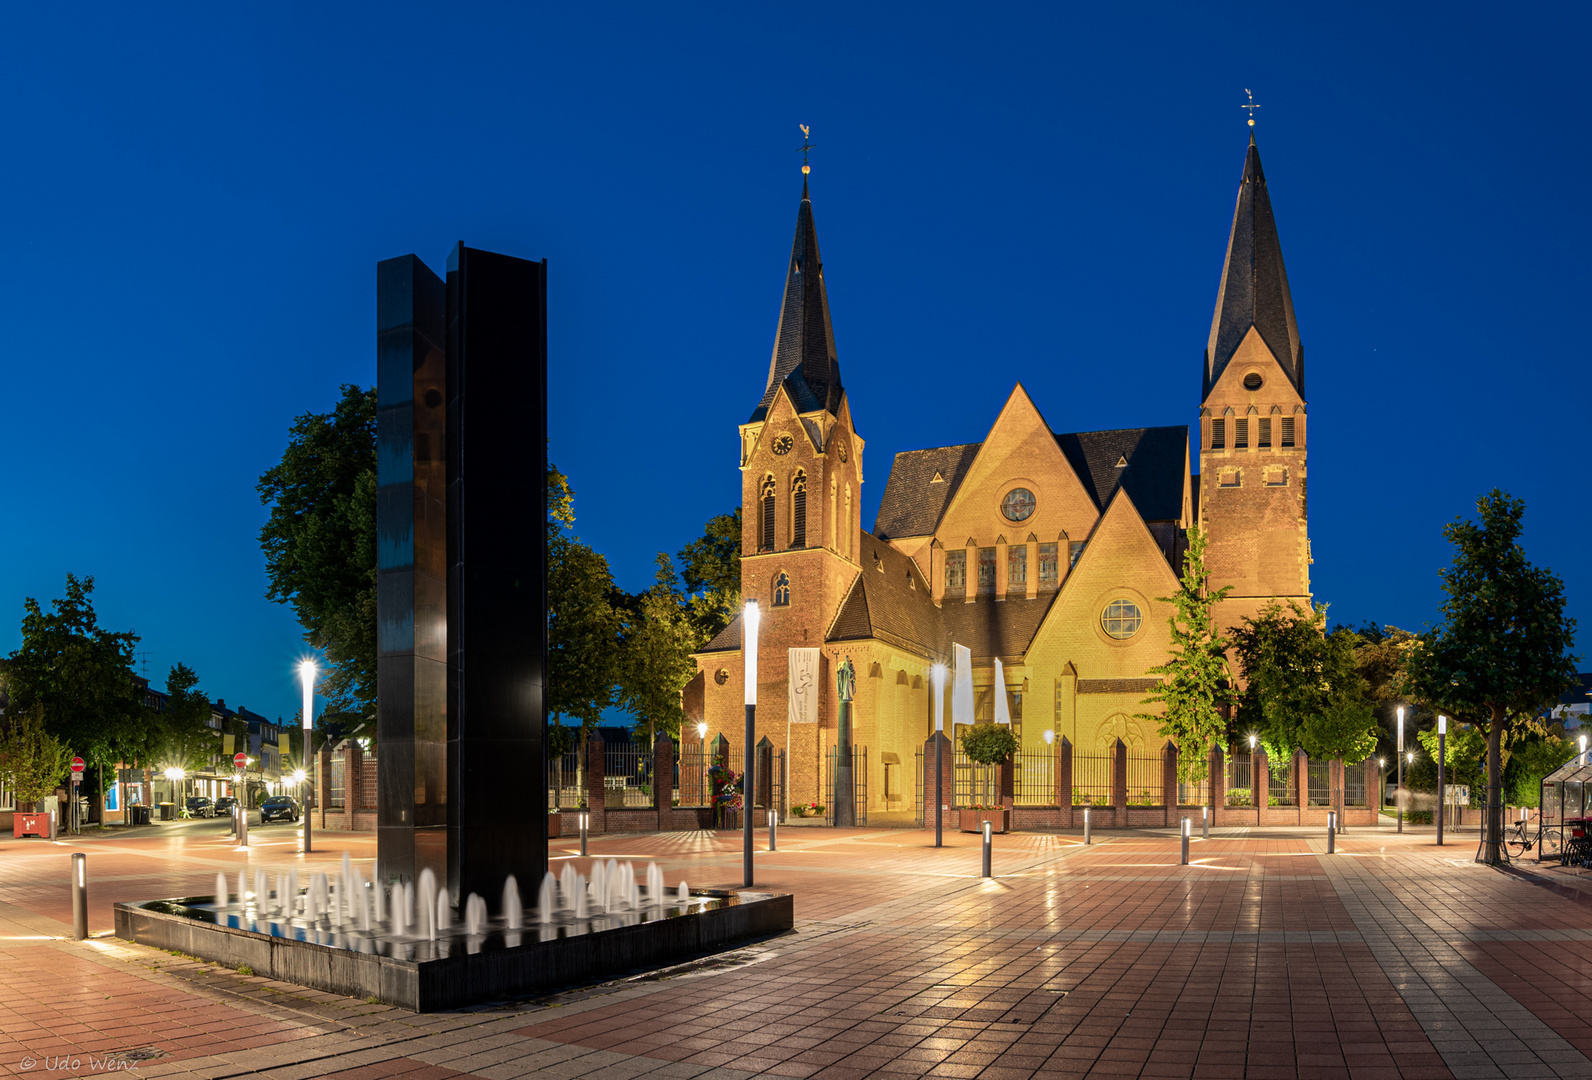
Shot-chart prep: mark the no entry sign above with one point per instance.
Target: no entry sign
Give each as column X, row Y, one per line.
column 240, row 759
column 77, row 764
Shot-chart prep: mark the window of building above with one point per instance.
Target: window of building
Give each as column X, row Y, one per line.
column 782, row 590
column 1218, row 433
column 956, row 570
column 1047, row 564
column 1229, row 478
column 765, row 540
column 1265, row 431
column 1074, row 550
column 339, row 782
column 845, row 524
column 986, row 569
column 1121, row 619
column 1252, row 381
column 1017, row 566
column 1287, row 431
column 1277, row 476
column 1241, row 433
column 798, row 508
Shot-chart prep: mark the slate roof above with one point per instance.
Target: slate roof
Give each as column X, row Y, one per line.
column 804, row 345
column 991, row 628
column 890, row 600
column 726, row 640
column 1254, row 289
column 913, row 504
column 1153, row 477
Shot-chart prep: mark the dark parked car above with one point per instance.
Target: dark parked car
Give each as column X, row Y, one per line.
column 225, row 804
column 279, row 808
column 199, row 806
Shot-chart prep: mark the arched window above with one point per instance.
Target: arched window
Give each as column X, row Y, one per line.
column 782, row 590
column 798, row 510
column 834, row 529
column 845, row 523
column 765, row 540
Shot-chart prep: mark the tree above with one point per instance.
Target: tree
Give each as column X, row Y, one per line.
column 583, row 626
column 79, row 678
column 1502, row 651
column 1197, row 676
column 32, row 761
column 656, row 659
column 320, row 541
column 710, row 567
column 185, row 736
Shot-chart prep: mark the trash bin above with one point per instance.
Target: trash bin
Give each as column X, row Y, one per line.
column 139, row 815
column 167, row 811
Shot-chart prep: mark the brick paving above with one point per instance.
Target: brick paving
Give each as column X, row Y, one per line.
column 1264, row 958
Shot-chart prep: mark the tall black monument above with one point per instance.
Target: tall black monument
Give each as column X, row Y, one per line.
column 462, row 570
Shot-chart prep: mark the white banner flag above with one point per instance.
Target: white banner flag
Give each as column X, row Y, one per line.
column 803, row 686
column 1003, row 712
column 961, row 686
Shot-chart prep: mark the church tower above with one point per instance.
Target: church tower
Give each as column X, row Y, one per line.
column 801, row 473
column 1253, row 429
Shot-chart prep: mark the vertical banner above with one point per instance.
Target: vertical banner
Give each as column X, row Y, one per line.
column 803, row 686
column 1003, row 712
column 961, row 686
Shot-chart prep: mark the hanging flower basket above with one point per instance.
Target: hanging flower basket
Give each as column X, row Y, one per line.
column 973, row 819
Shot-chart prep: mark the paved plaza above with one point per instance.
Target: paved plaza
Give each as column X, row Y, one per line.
column 1264, row 958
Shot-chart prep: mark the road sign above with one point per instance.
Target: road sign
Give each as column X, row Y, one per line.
column 77, row 764
column 240, row 759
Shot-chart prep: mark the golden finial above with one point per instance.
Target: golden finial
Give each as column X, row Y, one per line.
column 1251, row 107
column 805, row 146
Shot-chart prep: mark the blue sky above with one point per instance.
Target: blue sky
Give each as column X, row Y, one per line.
column 196, row 196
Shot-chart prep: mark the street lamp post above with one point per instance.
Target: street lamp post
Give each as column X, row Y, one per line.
column 749, row 647
column 1442, row 737
column 937, row 677
column 1399, row 790
column 307, row 675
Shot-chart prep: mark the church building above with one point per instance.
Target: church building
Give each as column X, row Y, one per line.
column 1044, row 550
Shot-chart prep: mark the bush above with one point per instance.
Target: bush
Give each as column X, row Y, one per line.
column 1238, row 796
column 989, row 744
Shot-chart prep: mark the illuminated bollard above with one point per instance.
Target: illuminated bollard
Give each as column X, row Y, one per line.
column 1205, row 823
column 1332, row 831
column 1086, row 825
column 242, row 824
column 773, row 830
column 583, row 834
column 987, row 848
column 1185, row 840
column 80, row 896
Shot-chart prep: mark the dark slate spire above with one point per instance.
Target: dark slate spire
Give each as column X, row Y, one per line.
column 804, row 346
column 1254, row 290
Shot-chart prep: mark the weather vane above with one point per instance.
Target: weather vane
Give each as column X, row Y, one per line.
column 1251, row 107
column 805, row 146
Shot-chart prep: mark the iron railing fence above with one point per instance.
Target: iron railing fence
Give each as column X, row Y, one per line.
column 367, row 782
column 565, row 791
column 339, row 782
column 691, row 784
column 1146, row 780
column 627, row 776
column 859, row 783
column 1318, row 782
column 1354, row 785
column 1034, row 777
column 1280, row 789
column 975, row 783
column 1091, row 779
column 1240, row 778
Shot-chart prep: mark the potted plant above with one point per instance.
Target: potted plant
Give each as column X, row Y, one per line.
column 988, row 744
column 725, row 785
column 811, row 809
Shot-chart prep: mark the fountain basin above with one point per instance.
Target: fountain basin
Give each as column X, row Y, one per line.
column 456, row 969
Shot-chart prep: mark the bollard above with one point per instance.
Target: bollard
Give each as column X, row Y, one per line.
column 243, row 825
column 1086, row 825
column 1205, row 823
column 1185, row 841
column 1332, row 831
column 233, row 822
column 80, row 896
column 583, row 834
column 987, row 849
column 773, row 830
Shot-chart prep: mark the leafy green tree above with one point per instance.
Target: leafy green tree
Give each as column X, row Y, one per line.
column 32, row 761
column 710, row 567
column 656, row 660
column 583, row 624
column 185, row 735
column 1502, row 651
column 80, row 676
column 1197, row 678
column 989, row 744
column 320, row 541
column 1464, row 749
column 1532, row 758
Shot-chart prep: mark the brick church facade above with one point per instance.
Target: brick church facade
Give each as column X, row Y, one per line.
column 1045, row 550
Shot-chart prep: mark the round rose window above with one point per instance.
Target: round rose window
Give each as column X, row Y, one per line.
column 1018, row 504
column 1121, row 619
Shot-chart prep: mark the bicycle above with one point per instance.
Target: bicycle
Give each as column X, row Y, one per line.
column 1518, row 840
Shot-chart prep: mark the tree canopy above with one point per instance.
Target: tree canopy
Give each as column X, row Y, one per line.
column 583, row 624
column 656, row 660
column 1502, row 651
column 710, row 567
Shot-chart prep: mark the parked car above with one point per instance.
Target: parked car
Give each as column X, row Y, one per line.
column 279, row 808
column 225, row 804
column 200, row 806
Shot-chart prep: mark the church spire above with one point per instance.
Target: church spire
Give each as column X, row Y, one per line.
column 804, row 344
column 1254, row 289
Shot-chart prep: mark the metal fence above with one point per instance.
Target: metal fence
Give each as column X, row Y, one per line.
column 339, row 781
column 975, row 783
column 859, row 783
column 691, row 784
column 1146, row 780
column 1034, row 777
column 367, row 782
column 1354, row 785
column 565, row 790
column 1091, row 779
column 627, row 776
column 1279, row 784
column 1318, row 782
column 1240, row 778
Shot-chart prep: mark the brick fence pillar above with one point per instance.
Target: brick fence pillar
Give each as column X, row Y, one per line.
column 596, row 782
column 1169, row 781
column 763, row 760
column 1373, row 789
column 1119, row 783
column 1218, row 779
column 1064, row 779
column 1301, row 783
column 1259, row 781
column 663, row 778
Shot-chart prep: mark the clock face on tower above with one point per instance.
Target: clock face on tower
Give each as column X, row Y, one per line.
column 783, row 444
column 1018, row 504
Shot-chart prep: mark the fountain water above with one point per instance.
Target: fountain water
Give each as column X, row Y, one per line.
column 684, row 894
column 261, row 897
column 378, row 903
column 290, row 897
column 567, row 883
column 474, row 915
column 654, row 884
column 582, row 900
column 426, row 906
column 544, row 898
column 221, row 891
column 243, row 888
column 513, row 910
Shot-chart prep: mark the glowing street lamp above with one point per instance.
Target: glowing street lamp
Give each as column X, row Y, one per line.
column 1400, row 787
column 1583, row 749
column 937, row 676
column 307, row 675
column 749, row 622
column 1442, row 737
